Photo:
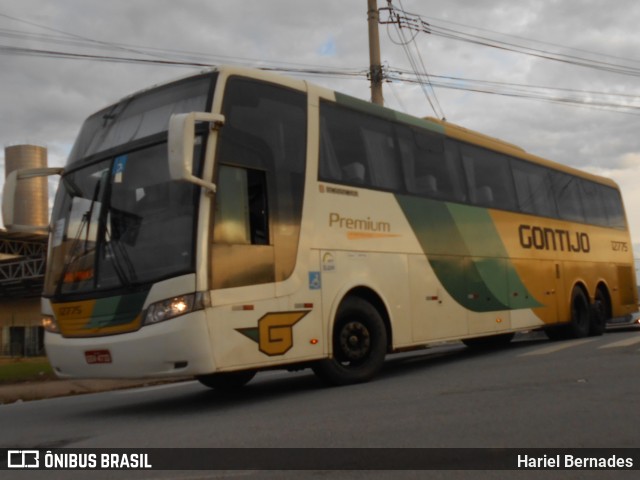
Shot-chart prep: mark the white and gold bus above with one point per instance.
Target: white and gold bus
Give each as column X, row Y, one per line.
column 237, row 221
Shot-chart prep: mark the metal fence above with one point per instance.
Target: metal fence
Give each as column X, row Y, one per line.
column 22, row 342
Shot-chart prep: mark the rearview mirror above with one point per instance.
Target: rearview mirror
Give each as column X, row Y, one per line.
column 182, row 130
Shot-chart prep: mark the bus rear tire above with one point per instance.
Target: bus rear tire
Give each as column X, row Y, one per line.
column 581, row 319
column 359, row 345
column 599, row 314
column 227, row 381
column 580, row 323
column 580, row 315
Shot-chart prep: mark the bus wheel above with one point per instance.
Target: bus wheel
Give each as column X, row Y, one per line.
column 599, row 314
column 227, row 380
column 359, row 344
column 580, row 315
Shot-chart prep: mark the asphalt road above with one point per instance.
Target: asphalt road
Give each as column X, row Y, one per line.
column 534, row 393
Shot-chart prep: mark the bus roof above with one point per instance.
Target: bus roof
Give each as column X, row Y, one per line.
column 449, row 129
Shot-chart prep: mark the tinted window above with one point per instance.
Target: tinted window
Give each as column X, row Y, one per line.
column 533, row 189
column 266, row 129
column 265, row 133
column 488, row 178
column 120, row 222
column 567, row 193
column 430, row 169
column 242, row 214
column 360, row 149
column 141, row 116
column 613, row 206
column 357, row 149
column 592, row 203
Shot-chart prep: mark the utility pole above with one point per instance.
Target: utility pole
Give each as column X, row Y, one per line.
column 375, row 68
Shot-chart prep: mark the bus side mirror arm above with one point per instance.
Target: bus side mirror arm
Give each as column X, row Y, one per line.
column 182, row 134
column 9, row 197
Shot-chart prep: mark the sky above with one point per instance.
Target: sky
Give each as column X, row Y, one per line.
column 587, row 119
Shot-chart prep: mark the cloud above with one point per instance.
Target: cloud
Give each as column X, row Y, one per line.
column 44, row 100
column 631, row 160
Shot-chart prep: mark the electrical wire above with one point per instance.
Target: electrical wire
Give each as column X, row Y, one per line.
column 546, row 94
column 418, row 23
column 419, row 68
column 160, row 55
column 621, row 103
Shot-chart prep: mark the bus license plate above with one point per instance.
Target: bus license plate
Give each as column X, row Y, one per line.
column 97, row 356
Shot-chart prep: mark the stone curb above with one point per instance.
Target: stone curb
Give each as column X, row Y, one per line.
column 27, row 391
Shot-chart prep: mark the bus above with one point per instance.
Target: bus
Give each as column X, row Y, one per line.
column 237, row 221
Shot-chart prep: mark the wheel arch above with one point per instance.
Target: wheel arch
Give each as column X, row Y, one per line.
column 370, row 295
column 582, row 286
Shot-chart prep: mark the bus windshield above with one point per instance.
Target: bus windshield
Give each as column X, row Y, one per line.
column 118, row 221
column 140, row 116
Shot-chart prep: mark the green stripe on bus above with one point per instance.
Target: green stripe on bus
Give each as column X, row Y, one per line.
column 118, row 310
column 466, row 254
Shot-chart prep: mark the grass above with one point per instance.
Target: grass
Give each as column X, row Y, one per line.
column 16, row 370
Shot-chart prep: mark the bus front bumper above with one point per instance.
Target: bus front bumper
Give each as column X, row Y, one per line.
column 177, row 347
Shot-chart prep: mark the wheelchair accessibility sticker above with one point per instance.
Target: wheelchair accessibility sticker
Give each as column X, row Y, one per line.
column 314, row 281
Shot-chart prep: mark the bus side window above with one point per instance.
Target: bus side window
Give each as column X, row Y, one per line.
column 594, row 208
column 567, row 194
column 430, row 169
column 358, row 149
column 241, row 213
column 343, row 157
column 533, row 189
column 380, row 149
column 613, row 206
column 489, row 178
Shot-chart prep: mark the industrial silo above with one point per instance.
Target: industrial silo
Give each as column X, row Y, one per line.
column 32, row 195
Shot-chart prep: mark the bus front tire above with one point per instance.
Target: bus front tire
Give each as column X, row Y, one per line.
column 227, row 381
column 359, row 345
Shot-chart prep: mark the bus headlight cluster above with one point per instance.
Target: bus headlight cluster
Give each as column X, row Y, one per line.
column 173, row 307
column 49, row 323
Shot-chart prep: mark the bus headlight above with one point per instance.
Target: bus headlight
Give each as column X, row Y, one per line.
column 173, row 307
column 49, row 323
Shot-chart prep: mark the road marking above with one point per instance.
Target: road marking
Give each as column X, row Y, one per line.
column 627, row 342
column 557, row 347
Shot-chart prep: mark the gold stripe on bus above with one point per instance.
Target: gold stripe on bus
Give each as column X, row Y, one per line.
column 551, row 256
column 75, row 319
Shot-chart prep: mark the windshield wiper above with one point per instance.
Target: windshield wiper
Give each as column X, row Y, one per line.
column 76, row 252
column 121, row 261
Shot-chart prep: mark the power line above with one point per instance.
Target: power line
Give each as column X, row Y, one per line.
column 583, row 98
column 417, row 23
column 310, row 70
column 547, row 94
column 419, row 68
column 621, row 103
column 541, row 42
column 159, row 56
column 72, row 35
